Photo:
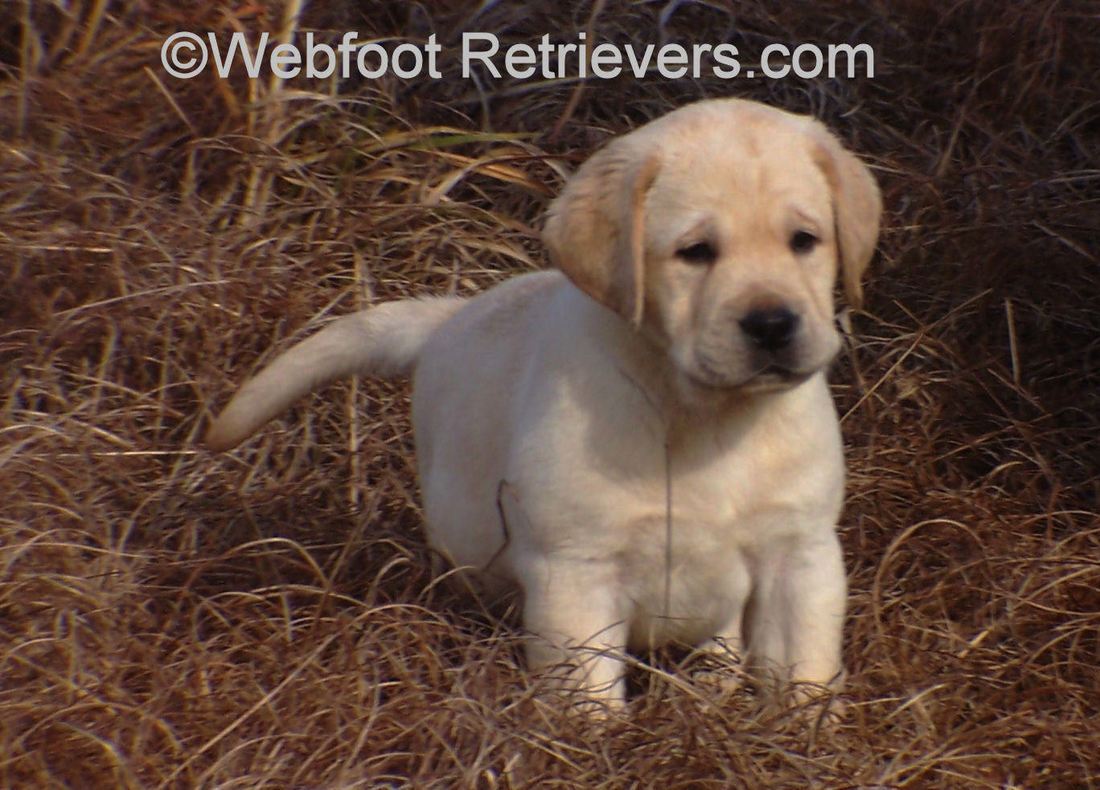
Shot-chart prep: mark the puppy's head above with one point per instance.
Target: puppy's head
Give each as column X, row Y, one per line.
column 719, row 230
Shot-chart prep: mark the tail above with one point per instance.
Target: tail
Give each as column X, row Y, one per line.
column 382, row 341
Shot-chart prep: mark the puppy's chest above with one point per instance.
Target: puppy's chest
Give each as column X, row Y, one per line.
column 618, row 483
column 698, row 511
column 700, row 544
column 707, row 512
column 731, row 481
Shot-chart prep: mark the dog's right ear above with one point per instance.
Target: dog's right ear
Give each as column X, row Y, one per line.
column 595, row 229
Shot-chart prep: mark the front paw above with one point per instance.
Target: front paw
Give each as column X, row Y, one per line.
column 817, row 706
column 717, row 669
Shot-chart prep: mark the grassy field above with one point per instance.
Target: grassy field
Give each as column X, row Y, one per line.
column 268, row 618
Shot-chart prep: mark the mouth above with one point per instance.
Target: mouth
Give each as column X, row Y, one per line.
column 770, row 378
column 774, row 378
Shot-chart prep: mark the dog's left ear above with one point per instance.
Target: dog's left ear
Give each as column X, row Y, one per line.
column 857, row 206
column 595, row 229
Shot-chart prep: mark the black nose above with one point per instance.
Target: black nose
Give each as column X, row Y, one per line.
column 770, row 328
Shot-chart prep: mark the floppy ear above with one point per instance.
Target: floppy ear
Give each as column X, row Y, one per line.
column 857, row 206
column 595, row 229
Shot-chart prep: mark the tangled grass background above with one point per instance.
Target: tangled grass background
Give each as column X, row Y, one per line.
column 268, row 618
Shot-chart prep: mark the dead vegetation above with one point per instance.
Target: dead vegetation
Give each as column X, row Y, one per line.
column 169, row 618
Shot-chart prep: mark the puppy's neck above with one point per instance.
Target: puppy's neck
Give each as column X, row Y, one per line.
column 642, row 359
column 675, row 399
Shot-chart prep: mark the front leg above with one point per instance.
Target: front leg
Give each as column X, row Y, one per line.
column 796, row 616
column 724, row 652
column 578, row 632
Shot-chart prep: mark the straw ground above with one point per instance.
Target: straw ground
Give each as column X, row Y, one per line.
column 171, row 618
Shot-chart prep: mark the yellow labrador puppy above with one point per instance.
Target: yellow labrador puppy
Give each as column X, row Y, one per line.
column 643, row 442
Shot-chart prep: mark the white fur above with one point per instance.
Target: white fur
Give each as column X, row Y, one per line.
column 609, row 441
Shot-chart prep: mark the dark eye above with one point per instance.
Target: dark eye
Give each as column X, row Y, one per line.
column 700, row 252
column 803, row 241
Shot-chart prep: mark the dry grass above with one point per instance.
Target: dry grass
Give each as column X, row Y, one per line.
column 267, row 619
